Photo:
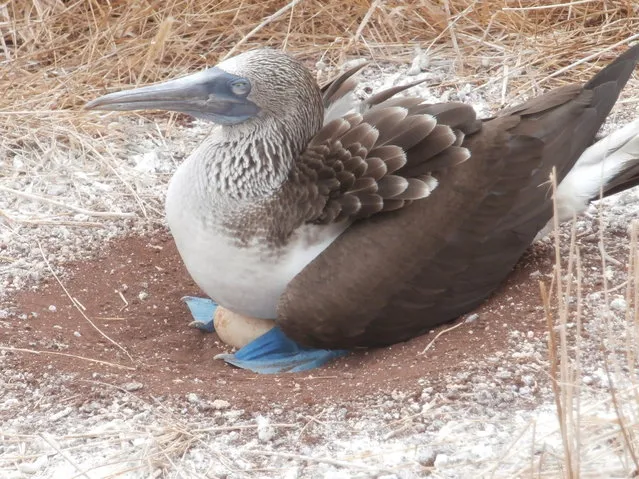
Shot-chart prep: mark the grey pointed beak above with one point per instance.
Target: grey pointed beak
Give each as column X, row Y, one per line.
column 212, row 94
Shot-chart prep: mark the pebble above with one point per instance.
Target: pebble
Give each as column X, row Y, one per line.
column 503, row 374
column 265, row 432
column 59, row 415
column 52, row 308
column 337, row 474
column 426, row 457
column 442, row 460
column 143, row 295
column 619, row 304
column 525, row 391
column 35, row 466
column 132, row 386
column 293, row 473
column 220, row 404
column 472, row 318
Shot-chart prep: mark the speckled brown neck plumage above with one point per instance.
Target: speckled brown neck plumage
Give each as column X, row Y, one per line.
column 252, row 159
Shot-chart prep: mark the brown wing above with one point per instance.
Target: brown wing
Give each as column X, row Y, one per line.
column 396, row 275
column 381, row 160
column 340, row 86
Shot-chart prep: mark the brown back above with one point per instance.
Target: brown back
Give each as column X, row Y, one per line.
column 398, row 274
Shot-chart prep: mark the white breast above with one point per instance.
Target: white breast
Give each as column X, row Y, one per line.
column 247, row 280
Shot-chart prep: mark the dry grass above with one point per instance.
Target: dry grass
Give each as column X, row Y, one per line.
column 583, row 429
column 56, row 55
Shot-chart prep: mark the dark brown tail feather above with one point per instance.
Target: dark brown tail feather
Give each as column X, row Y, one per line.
column 625, row 180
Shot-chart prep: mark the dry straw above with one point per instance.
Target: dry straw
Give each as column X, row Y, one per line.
column 56, row 55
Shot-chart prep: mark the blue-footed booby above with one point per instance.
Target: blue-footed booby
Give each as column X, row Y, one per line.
column 359, row 224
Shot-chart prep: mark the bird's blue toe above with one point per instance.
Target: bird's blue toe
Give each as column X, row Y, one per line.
column 274, row 352
column 271, row 353
column 202, row 310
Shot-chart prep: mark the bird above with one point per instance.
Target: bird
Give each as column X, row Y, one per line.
column 353, row 223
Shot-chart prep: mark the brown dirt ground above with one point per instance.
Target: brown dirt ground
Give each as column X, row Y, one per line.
column 172, row 359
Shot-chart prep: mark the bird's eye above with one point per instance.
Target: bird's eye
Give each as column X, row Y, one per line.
column 241, row 87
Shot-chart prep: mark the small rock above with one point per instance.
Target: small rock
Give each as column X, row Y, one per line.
column 619, row 304
column 419, row 64
column 419, row 427
column 525, row 391
column 143, row 295
column 192, row 398
column 18, row 164
column 442, row 460
column 427, row 457
column 56, row 190
column 35, row 466
column 293, row 473
column 77, row 334
column 132, row 386
column 220, row 404
column 265, row 432
column 472, row 318
column 59, row 415
column 146, row 162
column 337, row 474
column 52, row 308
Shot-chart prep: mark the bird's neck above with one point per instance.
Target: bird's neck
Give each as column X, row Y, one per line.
column 248, row 163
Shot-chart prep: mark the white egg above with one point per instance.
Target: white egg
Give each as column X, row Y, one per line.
column 237, row 330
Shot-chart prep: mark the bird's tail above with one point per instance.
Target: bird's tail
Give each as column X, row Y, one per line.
column 609, row 166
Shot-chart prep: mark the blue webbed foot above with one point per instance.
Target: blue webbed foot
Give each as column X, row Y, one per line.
column 202, row 310
column 271, row 353
column 274, row 352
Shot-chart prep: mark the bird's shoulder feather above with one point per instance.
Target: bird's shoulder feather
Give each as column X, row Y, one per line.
column 382, row 159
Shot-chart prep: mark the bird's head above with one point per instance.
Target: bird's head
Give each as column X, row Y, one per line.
column 255, row 87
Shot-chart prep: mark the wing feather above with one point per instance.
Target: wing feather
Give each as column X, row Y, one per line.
column 381, row 157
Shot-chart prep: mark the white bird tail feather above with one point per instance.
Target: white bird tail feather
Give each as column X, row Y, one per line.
column 595, row 169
